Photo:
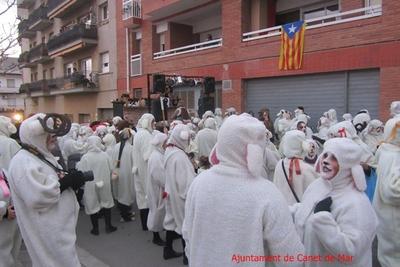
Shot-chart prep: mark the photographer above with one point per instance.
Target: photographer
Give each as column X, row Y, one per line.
column 43, row 194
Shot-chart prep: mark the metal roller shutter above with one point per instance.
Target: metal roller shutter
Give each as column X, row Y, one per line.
column 343, row 91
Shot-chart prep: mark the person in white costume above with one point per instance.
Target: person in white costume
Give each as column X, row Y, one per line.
column 395, row 108
column 387, row 195
column 300, row 123
column 97, row 194
column 292, row 175
column 284, row 124
column 109, row 143
column 206, row 138
column 231, row 210
column 335, row 217
column 101, row 131
column 271, row 157
column 332, row 116
column 324, row 124
column 122, row 176
column 179, row 174
column 373, row 134
column 10, row 237
column 360, row 121
column 347, row 117
column 43, row 196
column 155, row 187
column 218, row 117
column 141, row 153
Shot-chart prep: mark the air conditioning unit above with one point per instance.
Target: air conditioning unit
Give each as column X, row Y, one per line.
column 226, row 84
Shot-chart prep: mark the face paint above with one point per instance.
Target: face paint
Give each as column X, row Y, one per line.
column 329, row 166
column 301, row 126
column 51, row 142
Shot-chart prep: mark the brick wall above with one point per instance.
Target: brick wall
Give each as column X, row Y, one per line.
column 390, row 89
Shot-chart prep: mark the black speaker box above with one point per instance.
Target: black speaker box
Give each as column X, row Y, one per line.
column 158, row 83
column 209, row 85
column 205, row 103
column 156, row 110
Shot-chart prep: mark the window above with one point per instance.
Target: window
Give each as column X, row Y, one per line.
column 105, row 62
column 321, row 10
column 162, row 42
column 104, row 12
column 10, row 83
column 68, row 69
column 51, row 73
column 12, row 102
column 137, row 93
column 373, row 2
column 44, row 74
column 86, row 67
column 84, row 118
column 287, row 17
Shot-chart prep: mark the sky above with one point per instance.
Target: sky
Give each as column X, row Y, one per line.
column 6, row 20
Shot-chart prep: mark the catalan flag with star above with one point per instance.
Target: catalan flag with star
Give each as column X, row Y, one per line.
column 292, row 45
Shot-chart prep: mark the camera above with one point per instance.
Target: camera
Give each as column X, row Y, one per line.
column 88, row 176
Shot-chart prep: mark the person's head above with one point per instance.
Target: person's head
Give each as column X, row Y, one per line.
column 101, row 131
column 218, row 112
column 94, row 144
column 148, row 122
column 339, row 163
column 240, row 144
column 159, row 141
column 294, row 144
column 263, row 114
column 360, row 121
column 7, row 128
column 347, row 117
column 392, row 131
column 109, row 140
column 180, row 136
column 342, row 129
column 375, row 128
column 210, row 123
column 395, row 108
column 301, row 126
column 331, row 115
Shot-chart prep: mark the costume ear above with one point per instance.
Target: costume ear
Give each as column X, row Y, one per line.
column 213, row 159
column 317, row 165
column 254, row 159
column 359, row 178
column 11, row 128
column 306, row 146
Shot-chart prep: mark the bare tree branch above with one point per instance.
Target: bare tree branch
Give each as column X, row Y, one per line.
column 8, row 4
column 8, row 32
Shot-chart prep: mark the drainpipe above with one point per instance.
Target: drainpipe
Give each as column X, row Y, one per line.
column 127, row 59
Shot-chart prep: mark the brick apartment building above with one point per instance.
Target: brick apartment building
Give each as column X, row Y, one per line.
column 351, row 61
column 68, row 57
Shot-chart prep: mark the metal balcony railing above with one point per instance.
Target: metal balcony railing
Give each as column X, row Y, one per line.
column 25, row 3
column 347, row 16
column 131, row 8
column 189, row 48
column 136, row 65
column 23, row 57
column 38, row 52
column 78, row 31
column 38, row 14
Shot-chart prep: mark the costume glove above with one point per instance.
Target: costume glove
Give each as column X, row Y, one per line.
column 323, row 205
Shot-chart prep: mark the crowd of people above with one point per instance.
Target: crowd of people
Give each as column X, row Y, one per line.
column 231, row 187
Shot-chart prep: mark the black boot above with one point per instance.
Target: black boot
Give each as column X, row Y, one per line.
column 125, row 212
column 144, row 213
column 157, row 239
column 94, row 218
column 185, row 259
column 107, row 218
column 169, row 252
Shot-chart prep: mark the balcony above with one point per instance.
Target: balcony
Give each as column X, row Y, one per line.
column 23, row 59
column 136, row 65
column 62, row 8
column 132, row 13
column 38, row 54
column 189, row 48
column 76, row 38
column 24, row 31
column 38, row 20
column 58, row 86
column 25, row 3
column 338, row 18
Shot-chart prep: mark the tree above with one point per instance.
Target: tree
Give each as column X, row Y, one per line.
column 8, row 31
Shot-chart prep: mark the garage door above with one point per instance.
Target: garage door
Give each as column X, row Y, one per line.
column 343, row 91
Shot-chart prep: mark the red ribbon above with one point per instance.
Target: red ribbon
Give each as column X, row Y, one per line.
column 294, row 162
column 342, row 132
column 3, row 186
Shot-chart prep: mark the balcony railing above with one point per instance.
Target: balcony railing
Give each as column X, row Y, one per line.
column 38, row 52
column 77, row 32
column 189, row 48
column 136, row 65
column 23, row 58
column 25, row 3
column 131, row 8
column 38, row 19
column 347, row 16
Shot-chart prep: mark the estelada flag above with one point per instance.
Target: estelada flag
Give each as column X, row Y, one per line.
column 292, row 45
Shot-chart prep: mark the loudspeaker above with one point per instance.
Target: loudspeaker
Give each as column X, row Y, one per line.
column 156, row 109
column 205, row 103
column 209, row 85
column 118, row 109
column 158, row 83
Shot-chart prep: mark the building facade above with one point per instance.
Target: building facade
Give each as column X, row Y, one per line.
column 68, row 57
column 351, row 56
column 11, row 102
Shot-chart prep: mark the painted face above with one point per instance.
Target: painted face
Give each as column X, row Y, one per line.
column 301, row 126
column 329, row 166
column 312, row 152
column 51, row 142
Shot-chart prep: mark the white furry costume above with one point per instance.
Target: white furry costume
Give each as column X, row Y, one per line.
column 231, row 209
column 46, row 217
column 349, row 228
column 395, row 108
column 156, row 184
column 271, row 157
column 97, row 192
column 387, row 195
column 10, row 237
column 373, row 134
column 179, row 174
column 109, row 143
column 300, row 174
column 141, row 153
column 206, row 138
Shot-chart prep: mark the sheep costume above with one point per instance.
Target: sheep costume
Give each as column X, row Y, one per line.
column 206, row 138
column 97, row 192
column 373, row 134
column 10, row 237
column 271, row 157
column 300, row 174
column 395, row 108
column 231, row 209
column 109, row 143
column 179, row 174
column 141, row 153
column 350, row 226
column 156, row 184
column 46, row 217
column 387, row 195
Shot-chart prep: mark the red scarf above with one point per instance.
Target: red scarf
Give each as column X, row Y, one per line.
column 294, row 162
column 3, row 186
